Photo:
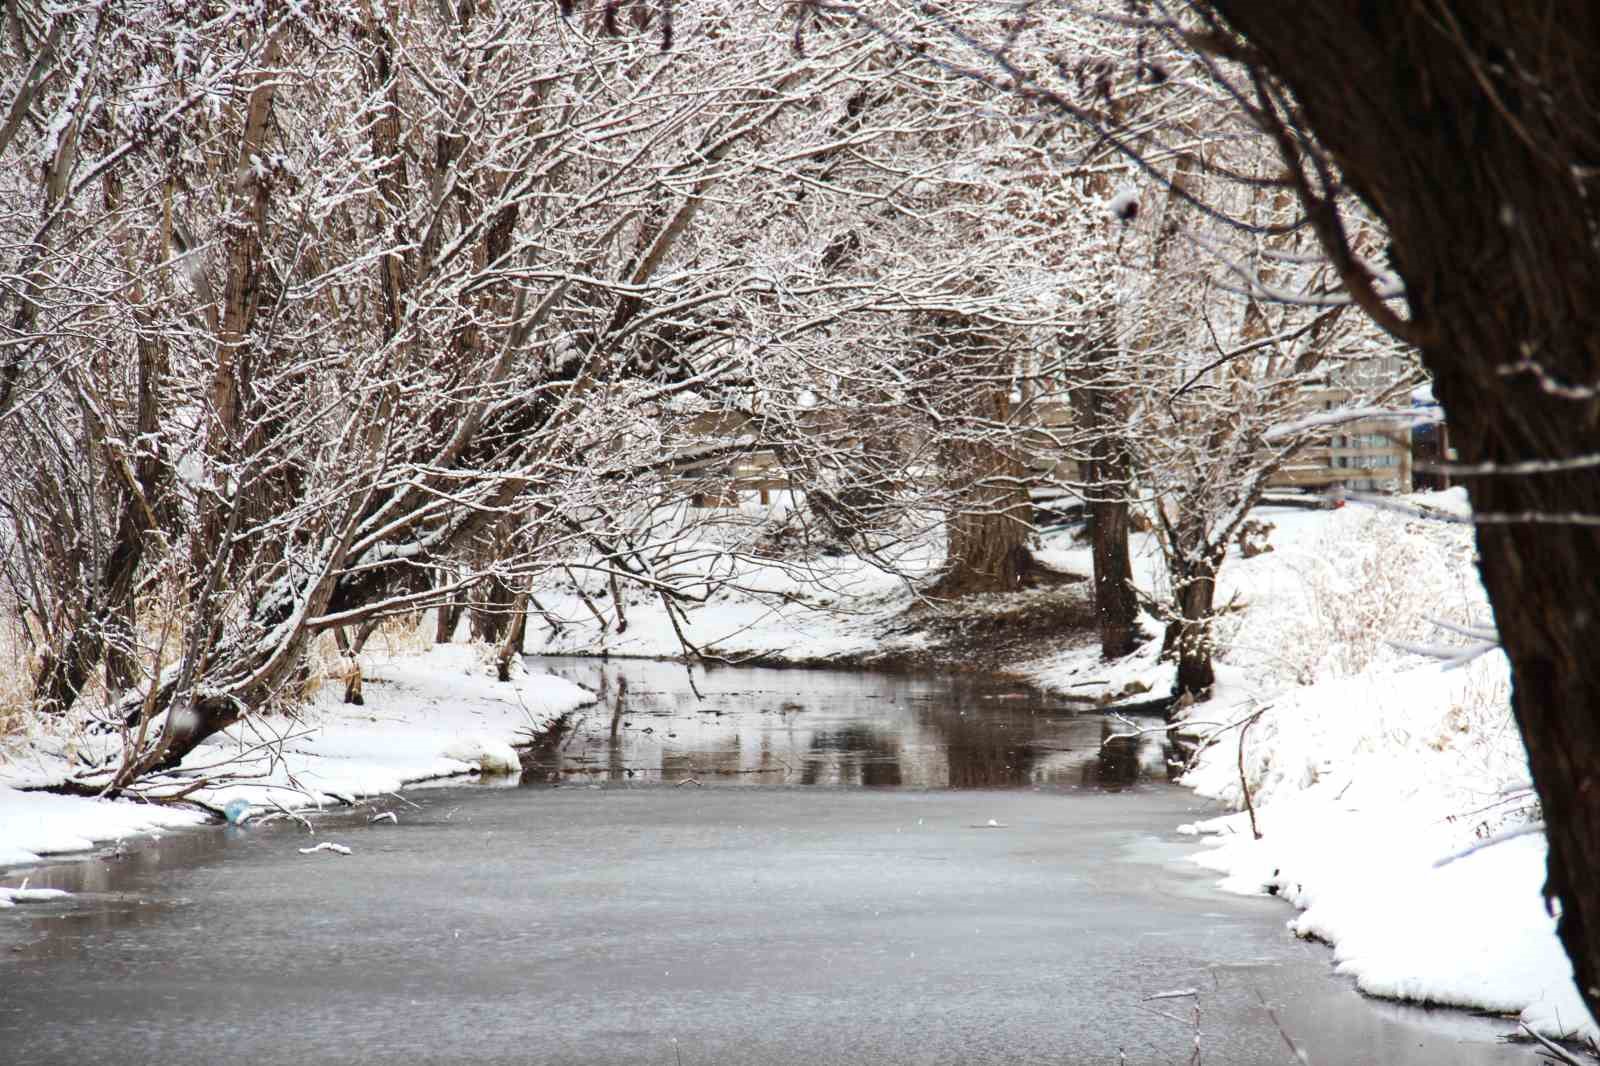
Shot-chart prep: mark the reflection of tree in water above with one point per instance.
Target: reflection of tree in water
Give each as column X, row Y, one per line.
column 862, row 756
column 1118, row 763
column 1121, row 760
column 985, row 751
column 945, row 735
column 616, row 767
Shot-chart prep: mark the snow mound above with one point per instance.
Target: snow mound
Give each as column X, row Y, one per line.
column 489, row 754
column 1473, row 933
column 36, row 824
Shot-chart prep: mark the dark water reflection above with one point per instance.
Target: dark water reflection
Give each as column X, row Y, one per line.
column 757, row 726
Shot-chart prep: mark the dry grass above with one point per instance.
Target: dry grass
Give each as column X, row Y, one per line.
column 16, row 672
column 403, row 634
column 159, row 638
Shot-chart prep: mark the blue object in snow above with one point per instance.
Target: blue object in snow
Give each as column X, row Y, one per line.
column 236, row 811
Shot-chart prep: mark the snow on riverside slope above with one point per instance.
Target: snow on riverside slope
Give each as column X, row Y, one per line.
column 1367, row 764
column 427, row 715
column 1361, row 788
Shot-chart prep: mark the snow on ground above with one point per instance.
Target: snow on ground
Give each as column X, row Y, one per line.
column 438, row 714
column 1373, row 797
column 1366, row 763
column 435, row 714
column 1370, row 767
column 804, row 610
column 33, row 824
column 836, row 610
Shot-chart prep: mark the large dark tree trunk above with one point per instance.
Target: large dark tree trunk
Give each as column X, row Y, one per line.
column 1472, row 129
column 988, row 521
column 987, row 530
column 1107, row 478
column 1188, row 635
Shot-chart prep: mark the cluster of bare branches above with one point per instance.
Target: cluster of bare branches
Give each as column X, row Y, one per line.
column 317, row 315
column 1214, row 298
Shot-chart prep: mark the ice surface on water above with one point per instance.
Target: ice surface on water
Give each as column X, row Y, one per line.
column 641, row 921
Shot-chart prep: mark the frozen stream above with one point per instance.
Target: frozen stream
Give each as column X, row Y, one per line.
column 709, row 888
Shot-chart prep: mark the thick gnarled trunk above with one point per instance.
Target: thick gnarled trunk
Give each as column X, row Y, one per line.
column 987, row 529
column 989, row 511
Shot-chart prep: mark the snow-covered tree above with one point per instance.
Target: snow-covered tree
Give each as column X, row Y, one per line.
column 321, row 315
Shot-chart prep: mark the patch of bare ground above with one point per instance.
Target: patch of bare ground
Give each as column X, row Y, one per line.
column 990, row 631
column 981, row 633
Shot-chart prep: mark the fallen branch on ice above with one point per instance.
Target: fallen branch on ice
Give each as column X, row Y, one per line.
column 326, row 846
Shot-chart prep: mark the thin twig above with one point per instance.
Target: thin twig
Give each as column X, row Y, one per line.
column 1244, row 785
column 1489, row 842
column 1553, row 1049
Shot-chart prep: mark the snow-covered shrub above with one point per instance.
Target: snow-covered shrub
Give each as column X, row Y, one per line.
column 1326, row 620
column 1379, row 738
column 1370, row 581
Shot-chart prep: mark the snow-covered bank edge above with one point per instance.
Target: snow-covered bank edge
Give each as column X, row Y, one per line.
column 429, row 715
column 1404, row 835
column 1376, row 774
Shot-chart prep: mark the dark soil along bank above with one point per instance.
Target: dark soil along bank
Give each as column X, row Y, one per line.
column 976, row 634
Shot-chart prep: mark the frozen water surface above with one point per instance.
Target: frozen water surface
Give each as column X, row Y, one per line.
column 654, row 910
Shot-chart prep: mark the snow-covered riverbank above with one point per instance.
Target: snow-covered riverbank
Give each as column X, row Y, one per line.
column 1377, row 775
column 1367, row 764
column 428, row 715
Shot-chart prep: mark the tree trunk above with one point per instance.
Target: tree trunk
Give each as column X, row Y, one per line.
column 447, row 619
column 1115, row 605
column 491, row 610
column 986, row 550
column 1188, row 636
column 105, row 626
column 987, row 522
column 1473, row 134
column 516, row 632
column 228, row 455
column 1107, row 482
